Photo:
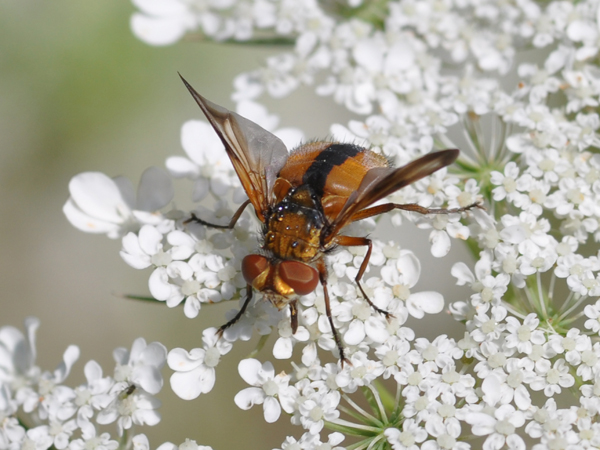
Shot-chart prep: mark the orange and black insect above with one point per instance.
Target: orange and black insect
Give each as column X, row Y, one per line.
column 304, row 198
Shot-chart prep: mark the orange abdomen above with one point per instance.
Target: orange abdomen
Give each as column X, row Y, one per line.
column 333, row 171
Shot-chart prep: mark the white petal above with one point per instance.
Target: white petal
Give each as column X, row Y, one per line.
column 158, row 31
column 342, row 134
column 291, row 137
column 440, row 243
column 309, row 354
column 410, row 268
column 199, row 140
column 178, row 238
column 220, row 184
column 155, row 354
column 582, row 30
column 283, row 348
column 150, row 240
column 159, row 284
column 189, row 385
column 160, row 7
column 272, row 410
column 85, row 222
column 133, row 254
column 514, row 234
column 399, row 58
column 93, row 371
column 302, row 334
column 191, row 307
column 180, row 167
column 257, row 113
column 522, row 398
column 462, row 273
column 376, row 330
column 492, row 391
column 482, row 423
column 99, row 196
column 70, row 356
column 248, row 370
column 148, row 378
column 201, row 189
column 430, row 302
column 247, row 398
column 458, row 231
column 155, row 190
column 180, row 360
column 165, row 446
column 368, row 53
column 356, row 333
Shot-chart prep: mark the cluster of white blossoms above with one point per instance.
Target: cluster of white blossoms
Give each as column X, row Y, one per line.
column 38, row 410
column 515, row 86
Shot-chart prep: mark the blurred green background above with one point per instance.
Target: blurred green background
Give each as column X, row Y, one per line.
column 78, row 92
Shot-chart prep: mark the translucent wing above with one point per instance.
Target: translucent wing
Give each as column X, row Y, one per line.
column 257, row 155
column 381, row 182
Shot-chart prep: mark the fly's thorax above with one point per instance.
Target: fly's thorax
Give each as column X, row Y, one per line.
column 294, row 227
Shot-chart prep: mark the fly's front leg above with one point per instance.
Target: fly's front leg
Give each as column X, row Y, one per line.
column 336, row 337
column 229, row 226
column 348, row 241
column 240, row 313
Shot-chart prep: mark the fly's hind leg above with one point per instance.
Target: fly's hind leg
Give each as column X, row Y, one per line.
column 229, row 226
column 414, row 207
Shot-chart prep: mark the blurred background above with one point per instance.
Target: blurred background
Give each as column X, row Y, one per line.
column 78, row 92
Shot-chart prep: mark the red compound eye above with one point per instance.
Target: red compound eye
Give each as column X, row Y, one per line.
column 253, row 266
column 302, row 278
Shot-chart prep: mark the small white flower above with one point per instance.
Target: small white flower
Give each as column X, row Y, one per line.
column 90, row 440
column 130, row 405
column 500, row 428
column 523, row 336
column 315, row 408
column 187, row 445
column 142, row 365
column 99, row 204
column 270, row 390
column 412, row 433
column 552, row 378
column 195, row 370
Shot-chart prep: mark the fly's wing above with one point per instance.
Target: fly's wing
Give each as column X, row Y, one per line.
column 383, row 181
column 257, row 155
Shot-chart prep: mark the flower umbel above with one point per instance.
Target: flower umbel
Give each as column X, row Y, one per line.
column 516, row 87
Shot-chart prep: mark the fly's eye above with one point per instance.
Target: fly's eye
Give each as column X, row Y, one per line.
column 253, row 266
column 300, row 277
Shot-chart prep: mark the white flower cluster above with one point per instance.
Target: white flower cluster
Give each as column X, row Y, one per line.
column 39, row 411
column 163, row 23
column 516, row 86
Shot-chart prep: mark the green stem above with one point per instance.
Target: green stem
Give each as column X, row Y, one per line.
column 374, row 420
column 382, row 414
column 388, row 400
column 351, row 428
column 259, row 346
column 124, row 441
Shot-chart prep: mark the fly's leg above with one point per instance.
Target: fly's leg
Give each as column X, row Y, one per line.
column 229, row 226
column 240, row 313
column 386, row 207
column 294, row 316
column 349, row 241
column 336, row 337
